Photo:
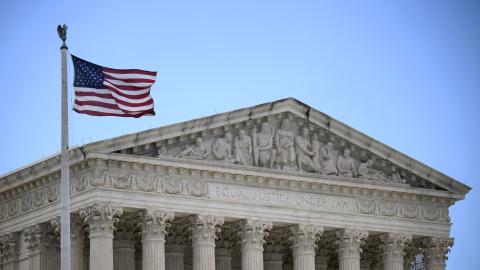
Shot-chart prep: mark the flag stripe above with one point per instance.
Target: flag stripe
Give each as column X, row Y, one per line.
column 103, row 91
column 130, row 71
column 114, row 89
column 138, row 82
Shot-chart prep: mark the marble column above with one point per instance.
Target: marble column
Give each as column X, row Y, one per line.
column 303, row 245
column 175, row 245
column 252, row 233
column 153, row 224
column 275, row 244
column 392, row 249
column 204, row 229
column 349, row 242
column 9, row 249
column 224, row 247
column 43, row 246
column 124, row 243
column 101, row 219
column 76, row 243
column 436, row 250
column 321, row 259
column 76, row 240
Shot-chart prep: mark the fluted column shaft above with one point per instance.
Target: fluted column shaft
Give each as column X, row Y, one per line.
column 252, row 233
column 392, row 250
column 321, row 263
column 272, row 261
column 349, row 243
column 123, row 254
column 154, row 223
column 76, row 243
column 43, row 246
column 174, row 257
column 223, row 259
column 204, row 228
column 304, row 237
column 436, row 250
column 101, row 219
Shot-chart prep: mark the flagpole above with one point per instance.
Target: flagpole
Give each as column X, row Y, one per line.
column 65, row 181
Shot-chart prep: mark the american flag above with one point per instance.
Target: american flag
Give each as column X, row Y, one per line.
column 103, row 91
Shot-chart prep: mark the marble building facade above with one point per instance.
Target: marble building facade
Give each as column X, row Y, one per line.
column 275, row 186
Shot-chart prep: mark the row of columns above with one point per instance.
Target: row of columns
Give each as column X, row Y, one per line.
column 261, row 247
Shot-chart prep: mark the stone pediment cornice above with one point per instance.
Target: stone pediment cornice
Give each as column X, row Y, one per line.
column 180, row 135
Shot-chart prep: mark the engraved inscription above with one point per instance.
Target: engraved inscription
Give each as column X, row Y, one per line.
column 281, row 198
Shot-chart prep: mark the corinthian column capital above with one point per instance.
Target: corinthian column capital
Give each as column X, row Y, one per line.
column 253, row 231
column 205, row 227
column 9, row 246
column 349, row 242
column 154, row 222
column 38, row 236
column 436, row 250
column 305, row 236
column 101, row 218
column 394, row 243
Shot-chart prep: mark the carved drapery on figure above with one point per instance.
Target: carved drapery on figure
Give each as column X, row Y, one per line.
column 292, row 146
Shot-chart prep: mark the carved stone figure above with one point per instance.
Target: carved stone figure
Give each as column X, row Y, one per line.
column 395, row 176
column 327, row 159
column 365, row 171
column 243, row 149
column 263, row 153
column 346, row 165
column 303, row 152
column 284, row 142
column 315, row 145
column 222, row 149
column 196, row 151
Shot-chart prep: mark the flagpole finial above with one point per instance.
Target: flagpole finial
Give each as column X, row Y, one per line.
column 62, row 34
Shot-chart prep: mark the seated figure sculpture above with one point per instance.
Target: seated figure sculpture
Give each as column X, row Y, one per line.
column 346, row 165
column 263, row 153
column 327, row 160
column 365, row 171
column 303, row 151
column 195, row 151
column 222, row 149
column 395, row 176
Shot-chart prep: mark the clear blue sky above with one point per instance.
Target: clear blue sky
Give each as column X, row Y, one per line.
column 404, row 72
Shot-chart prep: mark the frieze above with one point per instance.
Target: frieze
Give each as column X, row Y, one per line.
column 188, row 186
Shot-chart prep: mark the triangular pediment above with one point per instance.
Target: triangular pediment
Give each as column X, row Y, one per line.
column 283, row 135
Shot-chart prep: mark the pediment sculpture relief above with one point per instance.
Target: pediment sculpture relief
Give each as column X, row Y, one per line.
column 285, row 144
